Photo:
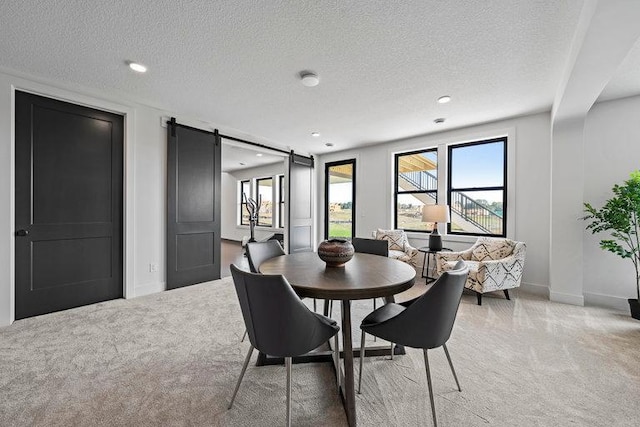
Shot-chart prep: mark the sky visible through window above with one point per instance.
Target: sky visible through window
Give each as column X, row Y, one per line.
column 479, row 166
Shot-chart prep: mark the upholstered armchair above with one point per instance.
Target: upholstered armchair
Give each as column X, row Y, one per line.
column 399, row 247
column 495, row 264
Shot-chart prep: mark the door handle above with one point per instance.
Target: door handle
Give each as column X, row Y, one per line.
column 22, row 233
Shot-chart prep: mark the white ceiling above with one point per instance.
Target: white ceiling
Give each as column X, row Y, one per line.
column 235, row 64
column 236, row 157
column 626, row 81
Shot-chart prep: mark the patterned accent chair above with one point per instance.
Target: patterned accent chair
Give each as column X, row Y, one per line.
column 495, row 264
column 399, row 247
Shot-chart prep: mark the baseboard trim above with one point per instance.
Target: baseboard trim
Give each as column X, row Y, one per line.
column 609, row 301
column 566, row 298
column 535, row 288
column 149, row 288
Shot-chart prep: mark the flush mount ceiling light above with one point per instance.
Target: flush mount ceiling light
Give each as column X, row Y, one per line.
column 309, row 79
column 138, row 68
column 438, row 120
column 259, row 155
column 315, row 134
column 444, row 99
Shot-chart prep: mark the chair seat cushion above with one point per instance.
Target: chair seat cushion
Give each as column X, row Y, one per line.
column 382, row 314
column 473, row 273
column 399, row 255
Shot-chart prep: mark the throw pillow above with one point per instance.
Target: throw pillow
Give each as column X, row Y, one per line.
column 395, row 238
column 491, row 249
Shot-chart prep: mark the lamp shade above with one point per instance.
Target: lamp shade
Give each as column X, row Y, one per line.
column 435, row 213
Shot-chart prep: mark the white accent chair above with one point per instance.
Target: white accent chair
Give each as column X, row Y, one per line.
column 399, row 247
column 495, row 264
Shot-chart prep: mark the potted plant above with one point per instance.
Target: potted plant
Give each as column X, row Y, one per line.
column 620, row 216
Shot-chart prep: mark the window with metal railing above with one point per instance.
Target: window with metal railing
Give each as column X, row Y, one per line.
column 477, row 190
column 416, row 185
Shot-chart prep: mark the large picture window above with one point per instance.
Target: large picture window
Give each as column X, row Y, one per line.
column 340, row 199
column 245, row 193
column 416, row 185
column 264, row 188
column 477, row 192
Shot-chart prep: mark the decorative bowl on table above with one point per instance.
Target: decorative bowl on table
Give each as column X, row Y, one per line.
column 336, row 252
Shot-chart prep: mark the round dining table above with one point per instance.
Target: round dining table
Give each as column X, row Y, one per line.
column 363, row 277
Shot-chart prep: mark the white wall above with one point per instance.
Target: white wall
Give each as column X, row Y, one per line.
column 230, row 229
column 528, row 198
column 611, row 152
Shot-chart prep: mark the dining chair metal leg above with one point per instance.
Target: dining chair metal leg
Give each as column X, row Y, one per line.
column 391, row 351
column 244, row 336
column 336, row 355
column 446, row 351
column 314, row 305
column 244, row 368
column 287, row 362
column 361, row 359
column 433, row 405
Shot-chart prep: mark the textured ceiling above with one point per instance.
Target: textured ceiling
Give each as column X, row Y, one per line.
column 235, row 64
column 236, row 157
column 626, row 81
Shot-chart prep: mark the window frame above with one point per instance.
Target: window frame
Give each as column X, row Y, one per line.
column 397, row 193
column 504, row 187
column 257, row 180
column 328, row 165
column 281, row 204
column 243, row 203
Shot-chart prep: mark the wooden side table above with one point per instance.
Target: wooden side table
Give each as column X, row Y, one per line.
column 425, row 262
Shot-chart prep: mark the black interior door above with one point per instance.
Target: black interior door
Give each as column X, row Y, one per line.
column 193, row 206
column 68, row 217
column 300, row 204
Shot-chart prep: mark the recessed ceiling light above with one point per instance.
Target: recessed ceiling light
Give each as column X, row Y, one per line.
column 438, row 120
column 242, row 164
column 309, row 79
column 444, row 99
column 259, row 155
column 329, row 144
column 316, row 134
column 138, row 68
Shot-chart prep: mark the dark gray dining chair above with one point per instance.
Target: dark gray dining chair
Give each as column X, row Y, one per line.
column 425, row 322
column 259, row 252
column 367, row 246
column 278, row 323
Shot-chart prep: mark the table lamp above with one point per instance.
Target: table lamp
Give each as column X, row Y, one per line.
column 435, row 214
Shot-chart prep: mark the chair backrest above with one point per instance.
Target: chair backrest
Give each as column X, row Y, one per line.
column 492, row 248
column 370, row 246
column 259, row 252
column 278, row 323
column 427, row 322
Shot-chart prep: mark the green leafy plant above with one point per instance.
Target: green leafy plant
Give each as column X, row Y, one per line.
column 619, row 216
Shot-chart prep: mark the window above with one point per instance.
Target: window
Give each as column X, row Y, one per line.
column 340, row 198
column 281, row 201
column 477, row 191
column 264, row 188
column 416, row 185
column 245, row 193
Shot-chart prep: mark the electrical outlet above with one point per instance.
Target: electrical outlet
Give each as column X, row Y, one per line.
column 153, row 268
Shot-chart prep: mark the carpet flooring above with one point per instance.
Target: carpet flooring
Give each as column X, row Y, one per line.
column 172, row 359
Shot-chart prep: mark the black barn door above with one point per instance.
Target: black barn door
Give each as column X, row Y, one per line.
column 300, row 204
column 68, row 215
column 193, row 206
